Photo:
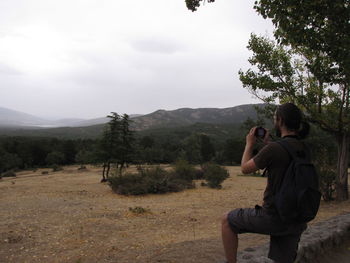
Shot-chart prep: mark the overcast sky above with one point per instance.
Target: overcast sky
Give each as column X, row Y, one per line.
column 86, row 58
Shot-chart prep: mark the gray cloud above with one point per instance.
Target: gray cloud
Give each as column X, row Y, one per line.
column 157, row 44
column 88, row 58
column 8, row 70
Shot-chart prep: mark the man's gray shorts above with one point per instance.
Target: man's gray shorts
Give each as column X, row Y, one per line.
column 284, row 239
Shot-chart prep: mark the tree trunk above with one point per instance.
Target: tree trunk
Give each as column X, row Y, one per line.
column 121, row 168
column 108, row 168
column 103, row 173
column 342, row 190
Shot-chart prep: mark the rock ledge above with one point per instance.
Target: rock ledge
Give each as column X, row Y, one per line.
column 316, row 240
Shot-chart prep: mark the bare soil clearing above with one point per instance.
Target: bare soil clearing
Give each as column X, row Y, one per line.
column 69, row 216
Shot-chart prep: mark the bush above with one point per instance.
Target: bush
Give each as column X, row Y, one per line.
column 56, row 168
column 214, row 174
column 154, row 180
column 184, row 170
column 9, row 174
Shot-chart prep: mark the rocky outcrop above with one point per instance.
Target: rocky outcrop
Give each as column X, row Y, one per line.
column 318, row 239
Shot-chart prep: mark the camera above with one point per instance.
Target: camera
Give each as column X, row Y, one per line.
column 260, row 132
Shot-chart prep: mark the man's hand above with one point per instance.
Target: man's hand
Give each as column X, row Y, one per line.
column 250, row 138
column 247, row 163
column 266, row 139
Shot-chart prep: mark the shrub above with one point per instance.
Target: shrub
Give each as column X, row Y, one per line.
column 154, row 180
column 214, row 174
column 9, row 174
column 184, row 170
column 56, row 168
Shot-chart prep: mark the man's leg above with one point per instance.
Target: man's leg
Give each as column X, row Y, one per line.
column 230, row 241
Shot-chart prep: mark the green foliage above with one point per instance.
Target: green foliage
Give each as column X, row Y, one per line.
column 55, row 157
column 320, row 27
column 199, row 148
column 116, row 145
column 207, row 149
column 86, row 157
column 56, row 168
column 324, row 153
column 184, row 170
column 214, row 174
column 194, row 4
column 146, row 142
column 148, row 181
column 233, row 150
column 9, row 174
column 9, row 161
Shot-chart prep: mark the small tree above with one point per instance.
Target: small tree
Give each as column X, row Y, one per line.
column 116, row 144
column 126, row 148
column 109, row 144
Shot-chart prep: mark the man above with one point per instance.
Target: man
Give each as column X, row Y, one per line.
column 284, row 238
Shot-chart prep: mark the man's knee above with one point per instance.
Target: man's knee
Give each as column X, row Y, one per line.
column 224, row 220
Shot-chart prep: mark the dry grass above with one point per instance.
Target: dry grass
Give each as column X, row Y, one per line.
column 69, row 216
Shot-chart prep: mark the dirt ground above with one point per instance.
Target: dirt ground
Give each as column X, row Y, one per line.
column 69, row 216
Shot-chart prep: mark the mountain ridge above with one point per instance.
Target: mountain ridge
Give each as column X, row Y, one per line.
column 160, row 119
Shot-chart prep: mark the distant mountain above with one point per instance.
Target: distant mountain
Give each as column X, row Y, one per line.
column 188, row 116
column 12, row 118
column 85, row 123
column 203, row 119
column 67, row 122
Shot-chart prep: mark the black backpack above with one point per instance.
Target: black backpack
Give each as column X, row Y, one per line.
column 298, row 198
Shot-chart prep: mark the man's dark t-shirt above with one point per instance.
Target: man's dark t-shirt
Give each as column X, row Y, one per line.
column 276, row 160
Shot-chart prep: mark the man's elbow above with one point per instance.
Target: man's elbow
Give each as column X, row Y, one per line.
column 248, row 167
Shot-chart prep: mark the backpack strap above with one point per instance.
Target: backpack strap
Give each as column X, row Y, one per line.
column 293, row 153
column 285, row 145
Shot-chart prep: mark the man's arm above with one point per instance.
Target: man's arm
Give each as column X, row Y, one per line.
column 248, row 165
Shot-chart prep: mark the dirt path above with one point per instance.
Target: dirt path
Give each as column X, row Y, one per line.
column 69, row 216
